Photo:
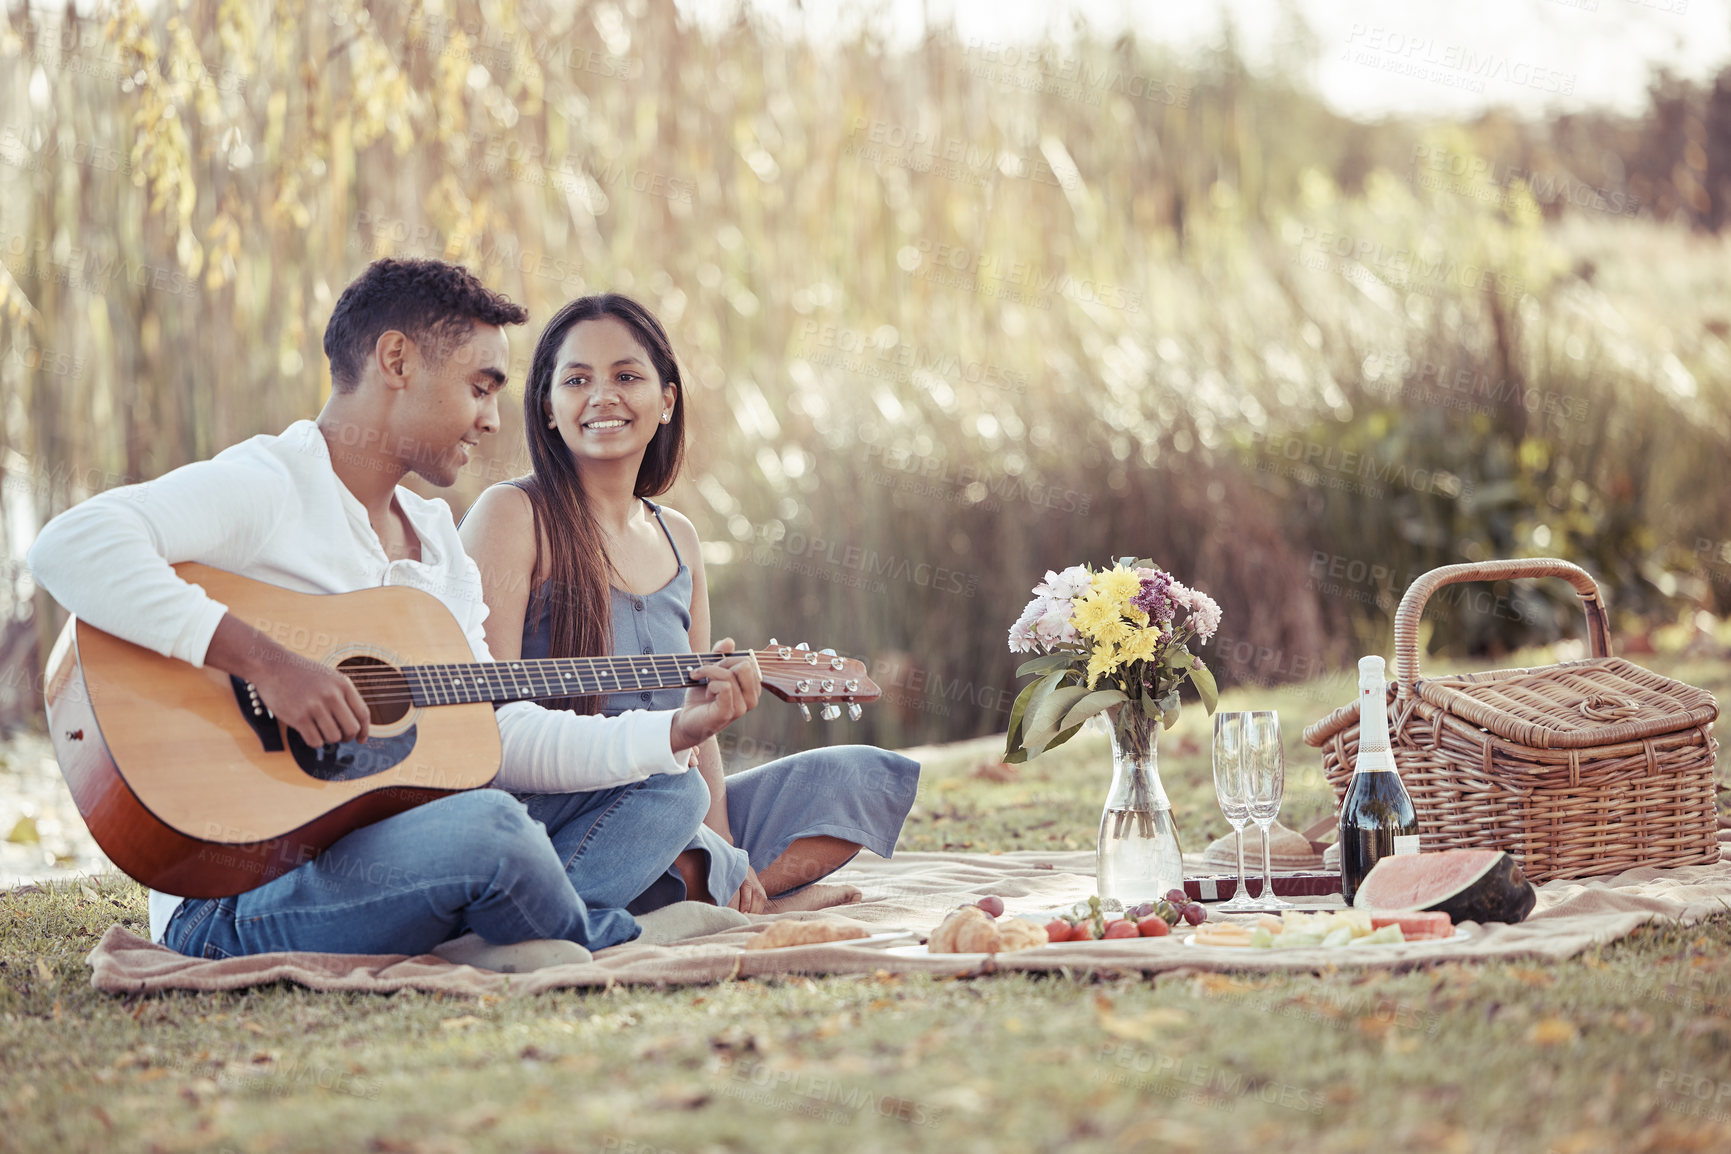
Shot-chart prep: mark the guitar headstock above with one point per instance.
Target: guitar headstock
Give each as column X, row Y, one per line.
column 806, row 677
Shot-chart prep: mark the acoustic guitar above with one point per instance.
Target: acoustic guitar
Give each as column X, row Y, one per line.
column 193, row 787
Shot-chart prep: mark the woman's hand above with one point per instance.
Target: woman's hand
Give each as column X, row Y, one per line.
column 751, row 898
column 730, row 688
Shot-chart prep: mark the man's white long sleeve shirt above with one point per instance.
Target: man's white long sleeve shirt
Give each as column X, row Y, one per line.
column 273, row 509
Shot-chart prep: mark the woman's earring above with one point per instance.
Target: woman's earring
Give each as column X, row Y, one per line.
column 667, row 416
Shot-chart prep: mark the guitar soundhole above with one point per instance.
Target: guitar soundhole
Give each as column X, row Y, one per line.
column 382, row 687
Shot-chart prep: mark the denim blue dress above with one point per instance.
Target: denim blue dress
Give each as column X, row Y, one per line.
column 857, row 793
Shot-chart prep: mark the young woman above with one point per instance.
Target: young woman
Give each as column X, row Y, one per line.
column 577, row 561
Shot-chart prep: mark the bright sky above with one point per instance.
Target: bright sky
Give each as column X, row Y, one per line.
column 1374, row 57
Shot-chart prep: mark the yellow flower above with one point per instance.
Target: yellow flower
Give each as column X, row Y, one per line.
column 1104, row 659
column 1092, row 614
column 1117, row 586
column 1140, row 645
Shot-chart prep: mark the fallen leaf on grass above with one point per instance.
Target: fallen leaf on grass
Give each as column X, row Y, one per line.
column 462, row 1022
column 1707, row 1026
column 1552, row 1032
column 1144, row 1027
column 480, row 1116
column 837, row 1024
column 996, row 771
column 1633, row 1022
column 1539, row 979
column 680, row 1096
column 45, row 971
column 1214, row 985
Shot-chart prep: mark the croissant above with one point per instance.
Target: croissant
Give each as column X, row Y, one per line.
column 970, row 930
column 805, row 933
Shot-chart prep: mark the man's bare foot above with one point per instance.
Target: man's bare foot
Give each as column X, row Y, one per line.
column 815, row 897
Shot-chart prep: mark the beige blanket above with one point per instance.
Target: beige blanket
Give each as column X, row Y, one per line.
column 914, row 892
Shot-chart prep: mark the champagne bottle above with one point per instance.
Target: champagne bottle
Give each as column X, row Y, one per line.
column 1376, row 815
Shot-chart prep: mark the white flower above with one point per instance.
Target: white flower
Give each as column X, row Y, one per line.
column 1053, row 627
column 1022, row 632
column 1066, row 586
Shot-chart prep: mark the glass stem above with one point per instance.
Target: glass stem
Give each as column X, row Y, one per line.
column 1267, row 878
column 1239, row 832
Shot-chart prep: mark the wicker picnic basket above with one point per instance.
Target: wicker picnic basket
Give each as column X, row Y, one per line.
column 1583, row 768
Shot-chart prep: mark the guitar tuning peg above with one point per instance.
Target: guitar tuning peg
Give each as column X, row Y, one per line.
column 830, row 712
column 827, row 652
column 802, row 645
column 805, row 711
column 854, row 711
column 773, row 641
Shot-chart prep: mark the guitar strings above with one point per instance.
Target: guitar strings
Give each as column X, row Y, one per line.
column 617, row 667
column 515, row 676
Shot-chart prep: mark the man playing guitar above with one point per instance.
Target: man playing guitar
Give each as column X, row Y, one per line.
column 418, row 356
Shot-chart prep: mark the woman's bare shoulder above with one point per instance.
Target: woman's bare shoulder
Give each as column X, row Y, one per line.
column 678, row 524
column 501, row 523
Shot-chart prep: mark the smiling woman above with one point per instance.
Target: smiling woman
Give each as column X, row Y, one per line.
column 577, row 561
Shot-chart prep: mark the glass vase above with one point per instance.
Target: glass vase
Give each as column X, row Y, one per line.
column 1138, row 857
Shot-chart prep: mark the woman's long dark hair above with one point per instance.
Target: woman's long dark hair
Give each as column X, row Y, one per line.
column 579, row 572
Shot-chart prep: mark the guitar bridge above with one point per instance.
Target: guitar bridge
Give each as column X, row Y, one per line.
column 257, row 715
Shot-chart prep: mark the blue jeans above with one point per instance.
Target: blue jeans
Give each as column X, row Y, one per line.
column 562, row 866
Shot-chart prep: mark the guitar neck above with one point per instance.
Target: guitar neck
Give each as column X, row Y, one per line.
column 550, row 678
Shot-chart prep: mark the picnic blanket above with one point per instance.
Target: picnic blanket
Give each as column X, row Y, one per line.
column 914, row 891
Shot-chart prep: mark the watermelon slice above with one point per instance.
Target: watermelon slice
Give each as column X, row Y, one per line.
column 1414, row 926
column 1470, row 885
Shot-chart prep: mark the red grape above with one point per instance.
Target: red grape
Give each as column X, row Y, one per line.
column 992, row 905
column 1195, row 914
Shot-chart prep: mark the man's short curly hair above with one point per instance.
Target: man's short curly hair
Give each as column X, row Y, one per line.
column 434, row 303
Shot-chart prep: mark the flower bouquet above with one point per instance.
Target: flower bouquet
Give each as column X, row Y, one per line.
column 1115, row 641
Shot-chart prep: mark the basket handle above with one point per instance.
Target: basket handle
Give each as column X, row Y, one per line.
column 1406, row 618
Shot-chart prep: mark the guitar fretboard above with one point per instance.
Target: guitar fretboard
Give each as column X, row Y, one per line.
column 549, row 678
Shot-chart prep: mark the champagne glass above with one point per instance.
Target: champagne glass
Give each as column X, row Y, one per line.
column 1232, row 791
column 1265, row 782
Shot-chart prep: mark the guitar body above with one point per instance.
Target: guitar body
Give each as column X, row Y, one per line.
column 192, row 791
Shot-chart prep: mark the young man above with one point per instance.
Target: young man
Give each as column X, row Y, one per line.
column 418, row 356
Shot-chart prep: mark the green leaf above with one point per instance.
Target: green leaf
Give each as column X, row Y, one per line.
column 1170, row 718
column 1061, row 738
column 1013, row 739
column 1045, row 663
column 1042, row 688
column 1045, row 724
column 1016, row 757
column 1092, row 704
column 1205, row 686
column 1027, row 704
column 1150, row 707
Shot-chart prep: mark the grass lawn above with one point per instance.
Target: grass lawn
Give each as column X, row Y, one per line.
column 1627, row 1048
